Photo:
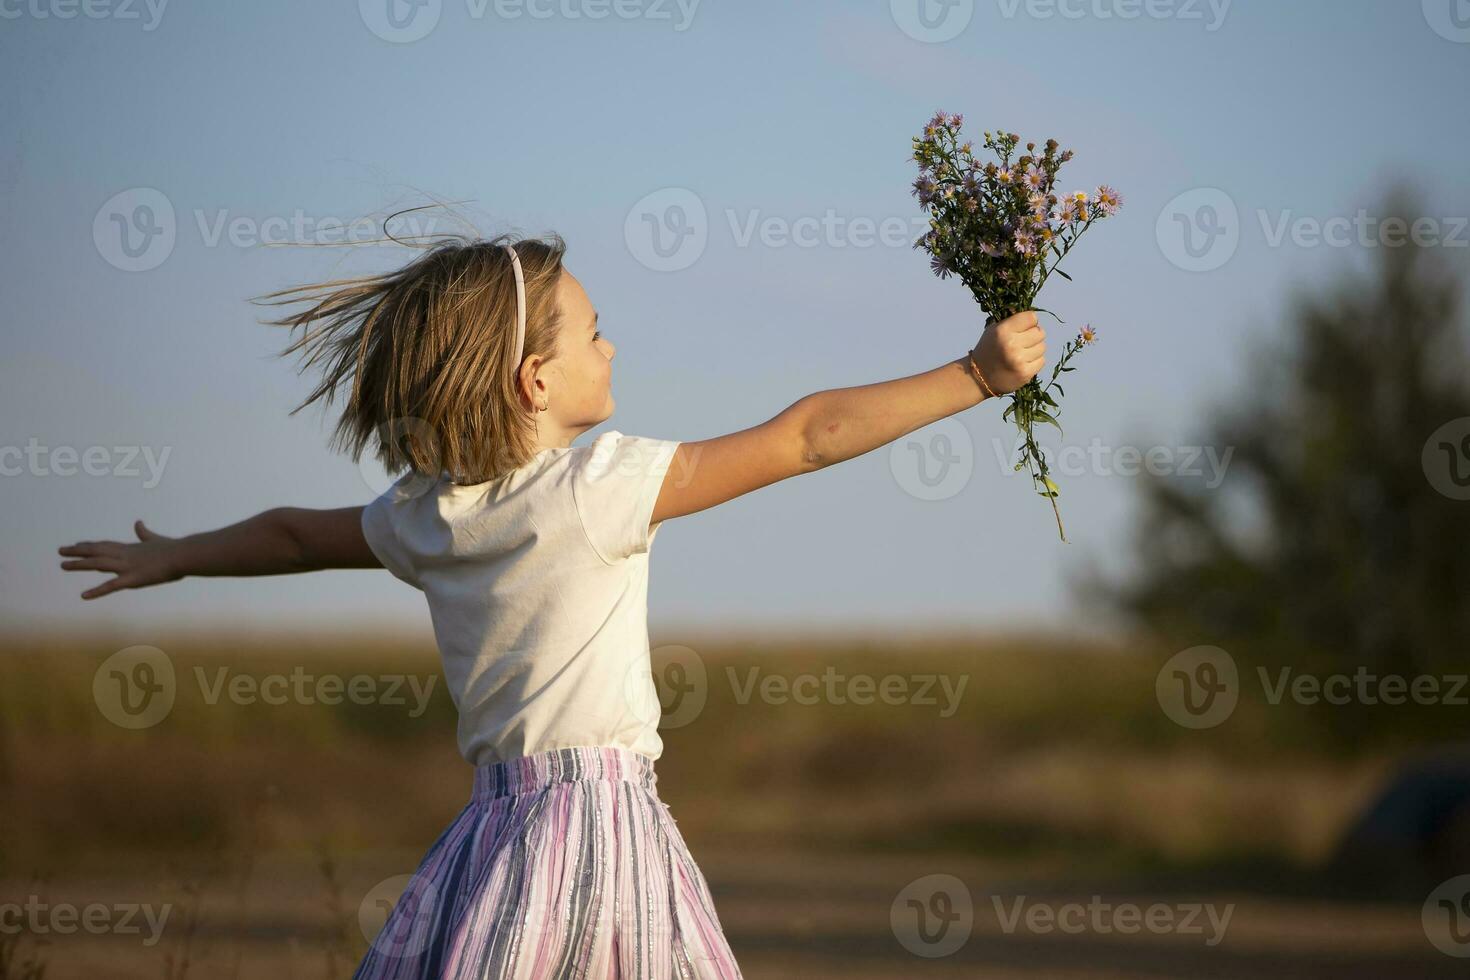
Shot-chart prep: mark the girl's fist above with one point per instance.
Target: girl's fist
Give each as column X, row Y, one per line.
column 1011, row 352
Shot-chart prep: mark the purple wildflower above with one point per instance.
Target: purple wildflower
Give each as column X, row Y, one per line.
column 924, row 189
column 1108, row 201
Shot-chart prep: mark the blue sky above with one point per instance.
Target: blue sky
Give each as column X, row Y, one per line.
column 257, row 122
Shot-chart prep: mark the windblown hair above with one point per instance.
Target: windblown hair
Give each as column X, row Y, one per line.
column 427, row 351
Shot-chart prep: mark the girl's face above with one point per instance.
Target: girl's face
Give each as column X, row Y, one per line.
column 575, row 386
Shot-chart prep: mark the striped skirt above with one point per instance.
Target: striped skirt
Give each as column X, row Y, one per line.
column 564, row 864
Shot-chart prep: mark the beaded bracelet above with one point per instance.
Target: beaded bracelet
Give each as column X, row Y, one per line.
column 975, row 369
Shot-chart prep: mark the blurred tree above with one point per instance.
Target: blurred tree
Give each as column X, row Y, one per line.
column 1328, row 546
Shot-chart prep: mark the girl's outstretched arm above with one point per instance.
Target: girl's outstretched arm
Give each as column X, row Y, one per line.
column 831, row 426
column 275, row 542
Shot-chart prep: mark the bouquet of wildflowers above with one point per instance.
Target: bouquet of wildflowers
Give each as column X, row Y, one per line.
column 1002, row 230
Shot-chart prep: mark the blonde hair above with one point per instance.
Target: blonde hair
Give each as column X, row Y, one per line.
column 428, row 350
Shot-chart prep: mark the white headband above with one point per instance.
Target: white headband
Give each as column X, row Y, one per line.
column 520, row 309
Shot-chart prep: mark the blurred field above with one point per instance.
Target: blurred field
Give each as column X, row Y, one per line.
column 1056, row 778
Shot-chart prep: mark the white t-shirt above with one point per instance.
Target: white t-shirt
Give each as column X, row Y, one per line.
column 537, row 584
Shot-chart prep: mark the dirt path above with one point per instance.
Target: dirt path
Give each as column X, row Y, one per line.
column 796, row 915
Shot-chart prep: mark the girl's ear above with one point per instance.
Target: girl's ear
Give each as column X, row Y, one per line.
column 526, row 382
column 531, row 382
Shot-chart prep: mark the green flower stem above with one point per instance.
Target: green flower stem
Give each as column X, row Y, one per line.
column 979, row 225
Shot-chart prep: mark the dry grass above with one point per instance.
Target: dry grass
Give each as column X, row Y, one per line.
column 270, row 822
column 1056, row 751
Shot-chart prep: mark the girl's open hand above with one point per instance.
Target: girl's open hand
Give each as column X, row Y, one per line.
column 1011, row 352
column 148, row 562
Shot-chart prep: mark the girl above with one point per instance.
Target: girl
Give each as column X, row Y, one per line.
column 473, row 369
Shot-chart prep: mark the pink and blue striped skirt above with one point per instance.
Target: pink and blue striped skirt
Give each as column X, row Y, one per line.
column 564, row 864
